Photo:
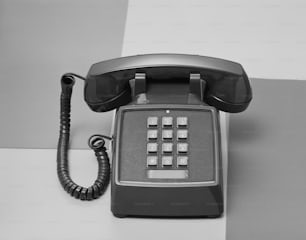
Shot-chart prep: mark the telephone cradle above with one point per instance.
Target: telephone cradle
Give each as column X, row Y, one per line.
column 166, row 146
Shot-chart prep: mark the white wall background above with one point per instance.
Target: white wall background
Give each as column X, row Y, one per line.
column 267, row 37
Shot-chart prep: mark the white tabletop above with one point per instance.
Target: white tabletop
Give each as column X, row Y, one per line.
column 33, row 204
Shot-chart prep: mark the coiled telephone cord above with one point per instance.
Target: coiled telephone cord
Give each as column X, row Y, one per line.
column 95, row 142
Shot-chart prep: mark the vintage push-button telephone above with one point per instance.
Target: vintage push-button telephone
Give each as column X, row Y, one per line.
column 166, row 140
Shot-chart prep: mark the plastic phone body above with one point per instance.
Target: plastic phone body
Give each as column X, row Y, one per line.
column 166, row 159
column 166, row 143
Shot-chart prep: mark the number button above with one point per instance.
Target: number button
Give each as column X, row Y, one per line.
column 182, row 121
column 152, row 147
column 152, row 121
column 152, row 134
column 167, row 160
column 167, row 121
column 182, row 134
column 152, row 160
column 167, row 147
column 167, row 134
column 182, row 161
column 182, row 147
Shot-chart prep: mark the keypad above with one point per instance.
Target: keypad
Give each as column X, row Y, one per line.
column 167, row 143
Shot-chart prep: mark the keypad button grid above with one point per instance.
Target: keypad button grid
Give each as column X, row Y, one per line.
column 171, row 133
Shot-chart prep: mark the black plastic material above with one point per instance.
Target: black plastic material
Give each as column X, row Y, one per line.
column 96, row 143
column 166, row 201
column 197, row 86
column 165, row 79
column 227, row 85
column 133, row 194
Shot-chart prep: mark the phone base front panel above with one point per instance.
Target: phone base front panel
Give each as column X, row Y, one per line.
column 169, row 164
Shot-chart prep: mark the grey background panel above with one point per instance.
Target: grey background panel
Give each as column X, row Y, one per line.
column 267, row 164
column 39, row 41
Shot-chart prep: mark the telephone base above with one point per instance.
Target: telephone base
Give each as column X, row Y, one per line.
column 191, row 188
column 168, row 217
column 185, row 202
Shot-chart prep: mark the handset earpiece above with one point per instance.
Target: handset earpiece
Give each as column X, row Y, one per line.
column 104, row 93
column 231, row 93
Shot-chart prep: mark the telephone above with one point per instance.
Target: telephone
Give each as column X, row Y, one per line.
column 166, row 159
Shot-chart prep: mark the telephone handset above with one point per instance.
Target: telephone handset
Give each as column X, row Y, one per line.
column 166, row 141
